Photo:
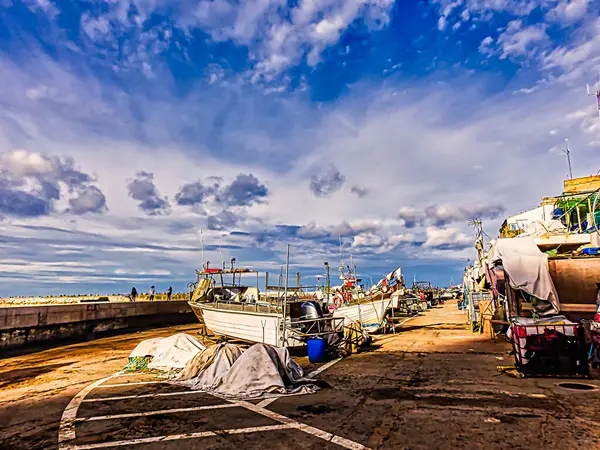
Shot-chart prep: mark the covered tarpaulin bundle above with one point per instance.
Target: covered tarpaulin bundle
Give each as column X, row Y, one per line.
column 170, row 353
column 527, row 268
column 260, row 371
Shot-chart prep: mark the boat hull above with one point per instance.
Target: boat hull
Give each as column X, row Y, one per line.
column 371, row 314
column 247, row 326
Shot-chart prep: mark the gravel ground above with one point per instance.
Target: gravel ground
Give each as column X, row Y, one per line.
column 432, row 385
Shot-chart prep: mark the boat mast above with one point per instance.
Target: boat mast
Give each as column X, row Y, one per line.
column 353, row 267
column 221, row 252
column 285, row 292
column 202, row 246
column 328, row 282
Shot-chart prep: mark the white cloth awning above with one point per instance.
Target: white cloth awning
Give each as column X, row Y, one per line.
column 527, row 268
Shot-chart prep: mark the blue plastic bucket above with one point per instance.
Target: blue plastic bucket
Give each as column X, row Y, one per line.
column 317, row 348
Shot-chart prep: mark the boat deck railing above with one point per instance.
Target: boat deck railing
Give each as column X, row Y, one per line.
column 315, row 328
column 247, row 306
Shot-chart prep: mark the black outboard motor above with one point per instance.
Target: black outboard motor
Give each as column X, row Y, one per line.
column 310, row 310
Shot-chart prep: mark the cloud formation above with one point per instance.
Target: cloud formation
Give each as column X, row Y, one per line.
column 447, row 239
column 143, row 189
column 359, row 191
column 32, row 183
column 443, row 214
column 90, row 199
column 327, row 183
column 245, row 190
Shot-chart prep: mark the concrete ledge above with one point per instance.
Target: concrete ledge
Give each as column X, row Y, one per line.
column 22, row 325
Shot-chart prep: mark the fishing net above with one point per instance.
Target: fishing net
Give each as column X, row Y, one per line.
column 138, row 364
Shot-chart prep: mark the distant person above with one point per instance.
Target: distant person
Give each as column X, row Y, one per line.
column 429, row 299
column 152, row 292
column 169, row 293
column 133, row 294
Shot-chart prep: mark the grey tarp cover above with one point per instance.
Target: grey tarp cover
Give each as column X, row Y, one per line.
column 527, row 268
column 260, row 371
column 203, row 371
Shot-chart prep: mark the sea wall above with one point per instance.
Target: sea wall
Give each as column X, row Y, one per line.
column 24, row 325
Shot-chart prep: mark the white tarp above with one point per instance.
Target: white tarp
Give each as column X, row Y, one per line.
column 146, row 348
column 169, row 353
column 527, row 268
column 260, row 371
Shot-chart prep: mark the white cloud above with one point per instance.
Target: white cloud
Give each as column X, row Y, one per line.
column 484, row 9
column 447, row 238
column 367, row 240
column 584, row 52
column 485, row 46
column 275, row 41
column 519, row 40
column 422, row 144
column 568, row 11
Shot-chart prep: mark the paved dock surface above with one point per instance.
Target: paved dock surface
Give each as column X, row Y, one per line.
column 434, row 384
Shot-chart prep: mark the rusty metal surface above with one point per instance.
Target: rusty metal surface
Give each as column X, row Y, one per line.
column 575, row 280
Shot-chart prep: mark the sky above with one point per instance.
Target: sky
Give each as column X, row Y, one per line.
column 141, row 137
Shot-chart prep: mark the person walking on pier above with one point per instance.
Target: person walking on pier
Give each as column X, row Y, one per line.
column 152, row 291
column 169, row 293
column 133, row 294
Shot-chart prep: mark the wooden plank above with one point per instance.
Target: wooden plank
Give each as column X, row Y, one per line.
column 574, row 307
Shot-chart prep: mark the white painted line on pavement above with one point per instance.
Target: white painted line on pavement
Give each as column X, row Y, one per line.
column 175, row 437
column 137, row 383
column 127, row 397
column 343, row 442
column 155, row 413
column 66, row 429
column 324, row 367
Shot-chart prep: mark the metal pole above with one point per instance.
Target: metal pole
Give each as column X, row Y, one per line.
column 221, row 252
column 280, row 281
column 356, row 291
column 328, row 283
column 202, row 246
column 285, row 291
column 568, row 153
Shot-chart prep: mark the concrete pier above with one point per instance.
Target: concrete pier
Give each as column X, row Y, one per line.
column 23, row 325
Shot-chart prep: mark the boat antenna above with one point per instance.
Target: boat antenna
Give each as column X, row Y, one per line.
column 202, row 245
column 341, row 250
column 285, row 291
column 567, row 152
column 597, row 93
column 221, row 252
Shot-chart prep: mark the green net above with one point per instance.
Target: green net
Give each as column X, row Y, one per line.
column 138, row 364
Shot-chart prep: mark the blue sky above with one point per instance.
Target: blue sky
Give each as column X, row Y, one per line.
column 126, row 127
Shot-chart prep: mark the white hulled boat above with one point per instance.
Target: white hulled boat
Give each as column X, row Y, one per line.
column 236, row 310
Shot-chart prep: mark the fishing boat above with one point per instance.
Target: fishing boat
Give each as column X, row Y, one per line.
column 371, row 308
column 233, row 309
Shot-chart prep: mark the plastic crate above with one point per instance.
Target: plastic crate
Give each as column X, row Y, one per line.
column 550, row 349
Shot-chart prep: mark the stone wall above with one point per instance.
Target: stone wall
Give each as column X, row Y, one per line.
column 23, row 325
